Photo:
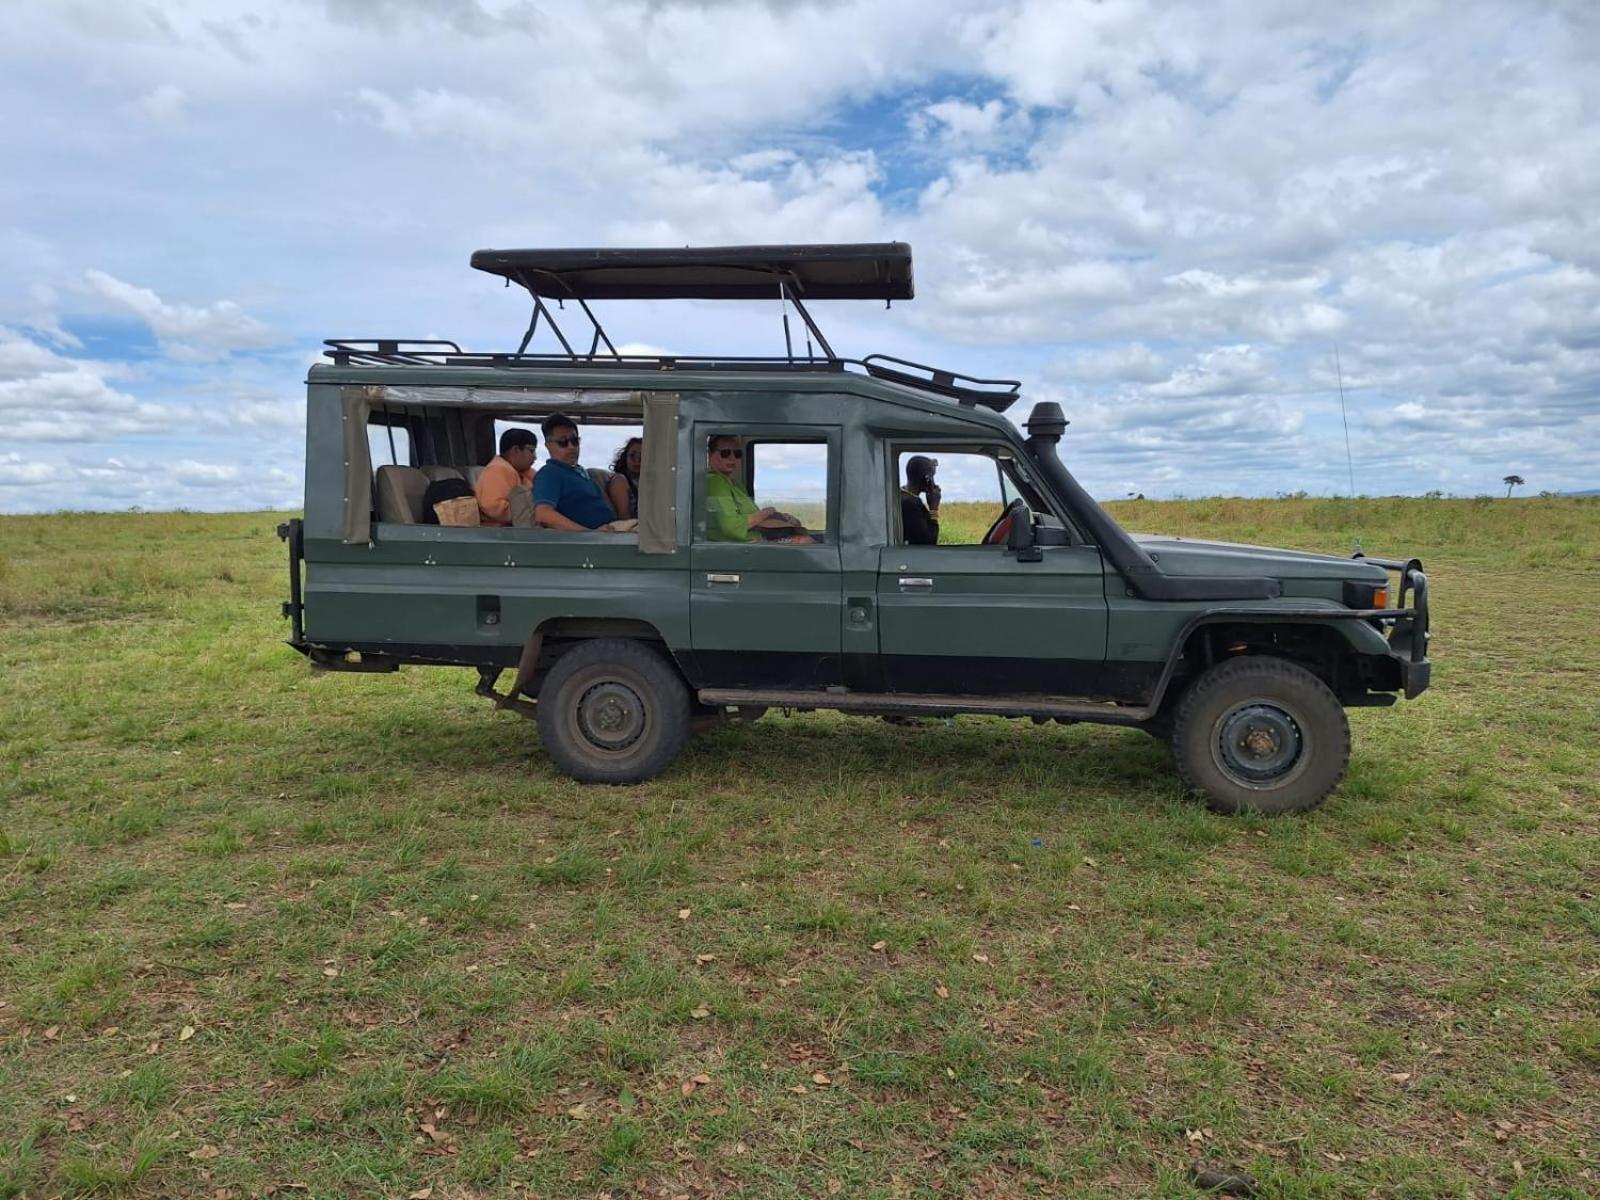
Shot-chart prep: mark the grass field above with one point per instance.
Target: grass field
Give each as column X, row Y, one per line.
column 265, row 933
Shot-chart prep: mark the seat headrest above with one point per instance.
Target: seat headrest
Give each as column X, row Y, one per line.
column 400, row 492
column 436, row 472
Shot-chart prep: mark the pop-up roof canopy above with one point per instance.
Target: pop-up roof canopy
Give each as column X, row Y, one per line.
column 871, row 271
column 792, row 275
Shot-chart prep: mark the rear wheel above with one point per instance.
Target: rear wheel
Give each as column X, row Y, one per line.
column 613, row 711
column 1260, row 735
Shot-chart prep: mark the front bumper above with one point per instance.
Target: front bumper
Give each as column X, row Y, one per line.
column 1408, row 633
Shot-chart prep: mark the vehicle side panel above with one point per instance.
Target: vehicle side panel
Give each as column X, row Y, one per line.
column 766, row 615
column 978, row 620
column 417, row 584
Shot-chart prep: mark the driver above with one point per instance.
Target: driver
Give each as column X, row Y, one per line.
column 919, row 502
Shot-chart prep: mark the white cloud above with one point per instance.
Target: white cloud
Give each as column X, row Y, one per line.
column 63, row 480
column 466, row 17
column 963, row 126
column 205, row 474
column 1109, row 201
column 15, row 471
column 185, row 330
column 1225, row 371
column 46, row 397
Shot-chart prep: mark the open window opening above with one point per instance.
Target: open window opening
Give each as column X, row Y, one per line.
column 767, row 490
column 416, row 451
column 389, row 441
column 959, row 495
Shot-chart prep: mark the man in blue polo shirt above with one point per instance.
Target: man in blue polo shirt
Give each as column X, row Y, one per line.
column 564, row 497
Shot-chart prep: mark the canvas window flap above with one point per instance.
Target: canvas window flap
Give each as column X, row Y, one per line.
column 658, row 475
column 358, row 403
column 576, row 401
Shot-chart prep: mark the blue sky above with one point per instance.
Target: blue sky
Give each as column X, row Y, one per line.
column 1165, row 217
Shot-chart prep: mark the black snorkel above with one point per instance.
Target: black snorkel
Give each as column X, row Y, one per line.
column 1143, row 575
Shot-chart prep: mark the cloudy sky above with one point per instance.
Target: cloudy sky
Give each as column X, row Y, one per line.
column 1168, row 217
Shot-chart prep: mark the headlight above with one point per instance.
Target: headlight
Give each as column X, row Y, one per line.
column 1366, row 595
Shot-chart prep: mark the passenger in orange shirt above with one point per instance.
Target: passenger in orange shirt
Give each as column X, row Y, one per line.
column 512, row 467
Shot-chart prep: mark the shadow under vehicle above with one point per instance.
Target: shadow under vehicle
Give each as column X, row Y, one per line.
column 1242, row 658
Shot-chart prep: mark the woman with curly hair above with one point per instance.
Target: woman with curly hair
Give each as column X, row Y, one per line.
column 623, row 488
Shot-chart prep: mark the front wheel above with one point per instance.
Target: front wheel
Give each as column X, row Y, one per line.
column 1260, row 735
column 613, row 711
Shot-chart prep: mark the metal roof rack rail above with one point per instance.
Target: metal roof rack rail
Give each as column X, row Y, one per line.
column 996, row 394
column 389, row 351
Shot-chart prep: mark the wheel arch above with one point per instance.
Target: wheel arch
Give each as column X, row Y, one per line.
column 1328, row 646
column 554, row 636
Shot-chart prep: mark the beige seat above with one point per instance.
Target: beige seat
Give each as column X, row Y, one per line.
column 600, row 475
column 400, row 492
column 436, row 473
column 473, row 474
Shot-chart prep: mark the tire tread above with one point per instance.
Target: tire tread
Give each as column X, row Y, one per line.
column 670, row 717
column 1292, row 677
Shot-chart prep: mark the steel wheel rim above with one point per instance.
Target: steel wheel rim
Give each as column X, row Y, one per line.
column 1260, row 744
column 610, row 716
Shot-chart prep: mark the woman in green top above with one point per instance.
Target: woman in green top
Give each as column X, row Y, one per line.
column 731, row 514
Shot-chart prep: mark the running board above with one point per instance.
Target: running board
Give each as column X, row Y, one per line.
column 933, row 705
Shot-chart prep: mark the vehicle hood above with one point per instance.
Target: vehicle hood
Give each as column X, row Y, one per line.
column 1189, row 556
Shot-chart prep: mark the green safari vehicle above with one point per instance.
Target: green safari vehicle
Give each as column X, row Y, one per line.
column 620, row 640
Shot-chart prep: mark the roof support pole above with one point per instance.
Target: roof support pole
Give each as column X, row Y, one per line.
column 532, row 326
column 599, row 333
column 794, row 298
column 783, row 309
column 539, row 310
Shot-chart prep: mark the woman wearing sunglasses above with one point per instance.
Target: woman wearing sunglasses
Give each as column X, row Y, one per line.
column 732, row 515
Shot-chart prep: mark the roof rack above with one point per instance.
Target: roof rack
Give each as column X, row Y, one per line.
column 865, row 271
column 995, row 394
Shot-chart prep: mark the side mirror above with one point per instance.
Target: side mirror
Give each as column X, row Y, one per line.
column 1022, row 538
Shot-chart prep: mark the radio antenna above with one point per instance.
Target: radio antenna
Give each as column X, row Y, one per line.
column 1349, row 458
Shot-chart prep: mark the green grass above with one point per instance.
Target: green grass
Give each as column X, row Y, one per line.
column 409, row 955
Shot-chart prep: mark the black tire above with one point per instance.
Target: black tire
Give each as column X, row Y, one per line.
column 613, row 711
column 1260, row 735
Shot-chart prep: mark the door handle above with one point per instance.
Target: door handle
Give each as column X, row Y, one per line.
column 728, row 577
column 909, row 583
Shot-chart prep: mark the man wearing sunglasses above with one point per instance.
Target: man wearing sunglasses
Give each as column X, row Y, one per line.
column 511, row 468
column 564, row 497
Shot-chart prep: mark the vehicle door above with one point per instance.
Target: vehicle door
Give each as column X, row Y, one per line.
column 968, row 616
column 767, row 613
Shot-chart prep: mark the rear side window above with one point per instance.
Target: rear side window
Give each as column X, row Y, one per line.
column 389, row 445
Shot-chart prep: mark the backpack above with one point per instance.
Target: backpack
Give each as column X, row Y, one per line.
column 442, row 489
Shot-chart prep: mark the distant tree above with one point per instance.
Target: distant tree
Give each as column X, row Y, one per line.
column 1512, row 481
